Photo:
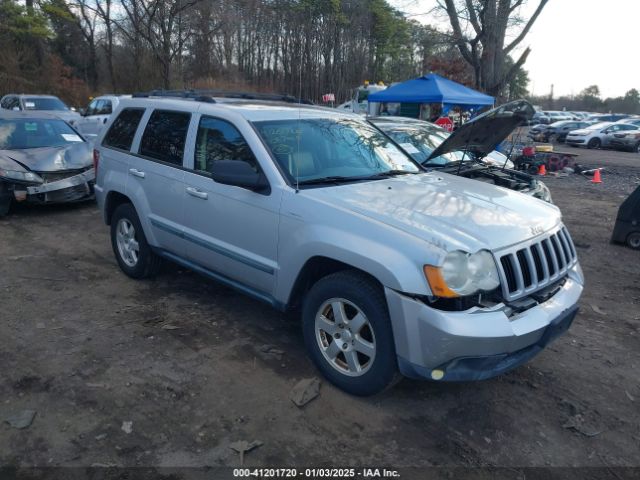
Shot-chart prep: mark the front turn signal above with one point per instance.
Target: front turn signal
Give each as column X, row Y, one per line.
column 437, row 284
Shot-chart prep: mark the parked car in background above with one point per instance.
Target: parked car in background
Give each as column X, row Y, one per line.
column 557, row 116
column 607, row 118
column 536, row 132
column 626, row 140
column 598, row 135
column 41, row 103
column 539, row 118
column 394, row 268
column 97, row 113
column 433, row 147
column 42, row 160
column 557, row 132
column 631, row 121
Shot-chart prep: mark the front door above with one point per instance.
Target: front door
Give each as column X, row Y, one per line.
column 229, row 230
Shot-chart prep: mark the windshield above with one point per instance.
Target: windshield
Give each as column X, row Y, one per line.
column 18, row 134
column 420, row 141
column 44, row 103
column 321, row 148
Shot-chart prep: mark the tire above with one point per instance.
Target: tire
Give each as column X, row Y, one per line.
column 362, row 339
column 594, row 143
column 633, row 240
column 126, row 235
column 636, row 148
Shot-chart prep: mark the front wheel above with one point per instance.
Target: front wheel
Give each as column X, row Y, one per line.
column 594, row 143
column 633, row 240
column 133, row 253
column 347, row 332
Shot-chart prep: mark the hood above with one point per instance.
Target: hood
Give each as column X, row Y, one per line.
column 445, row 210
column 52, row 159
column 483, row 134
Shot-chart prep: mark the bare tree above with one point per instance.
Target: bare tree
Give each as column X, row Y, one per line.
column 480, row 29
column 161, row 25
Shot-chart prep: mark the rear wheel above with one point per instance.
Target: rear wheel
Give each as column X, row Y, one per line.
column 347, row 332
column 594, row 143
column 633, row 240
column 133, row 253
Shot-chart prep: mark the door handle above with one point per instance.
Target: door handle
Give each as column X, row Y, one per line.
column 194, row 192
column 136, row 173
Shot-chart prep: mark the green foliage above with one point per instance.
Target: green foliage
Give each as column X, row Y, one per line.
column 17, row 24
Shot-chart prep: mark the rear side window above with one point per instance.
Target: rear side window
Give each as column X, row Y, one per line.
column 123, row 129
column 165, row 136
column 219, row 140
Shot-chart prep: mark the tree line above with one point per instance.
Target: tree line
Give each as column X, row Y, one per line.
column 77, row 48
column 590, row 100
column 81, row 48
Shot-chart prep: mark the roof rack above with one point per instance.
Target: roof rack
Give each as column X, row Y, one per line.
column 208, row 95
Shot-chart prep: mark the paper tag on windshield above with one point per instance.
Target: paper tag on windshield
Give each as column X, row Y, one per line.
column 71, row 137
column 409, row 148
column 29, row 105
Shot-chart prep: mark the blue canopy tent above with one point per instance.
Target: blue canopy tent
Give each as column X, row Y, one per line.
column 433, row 88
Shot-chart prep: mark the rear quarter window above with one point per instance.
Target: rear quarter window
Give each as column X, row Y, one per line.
column 165, row 136
column 123, row 129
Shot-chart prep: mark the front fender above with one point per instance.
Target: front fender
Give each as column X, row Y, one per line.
column 394, row 258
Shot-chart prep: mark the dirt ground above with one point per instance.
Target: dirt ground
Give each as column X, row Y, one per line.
column 195, row 366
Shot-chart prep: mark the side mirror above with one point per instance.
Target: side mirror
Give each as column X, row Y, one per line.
column 82, row 111
column 239, row 174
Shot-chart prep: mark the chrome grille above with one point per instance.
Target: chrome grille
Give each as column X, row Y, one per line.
column 529, row 267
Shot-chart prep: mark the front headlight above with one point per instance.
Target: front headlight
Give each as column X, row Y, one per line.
column 463, row 274
column 21, row 176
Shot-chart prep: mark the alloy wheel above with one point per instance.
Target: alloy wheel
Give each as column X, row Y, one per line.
column 128, row 247
column 345, row 337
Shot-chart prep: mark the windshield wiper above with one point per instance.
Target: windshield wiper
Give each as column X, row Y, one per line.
column 390, row 173
column 330, row 179
column 342, row 179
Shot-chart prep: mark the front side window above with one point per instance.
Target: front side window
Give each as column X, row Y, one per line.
column 104, row 108
column 165, row 136
column 92, row 108
column 123, row 129
column 332, row 148
column 23, row 133
column 219, row 140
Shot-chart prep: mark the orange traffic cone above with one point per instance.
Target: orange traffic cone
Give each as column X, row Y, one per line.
column 542, row 170
column 596, row 177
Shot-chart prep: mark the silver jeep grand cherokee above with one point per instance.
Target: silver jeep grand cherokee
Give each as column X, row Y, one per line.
column 394, row 269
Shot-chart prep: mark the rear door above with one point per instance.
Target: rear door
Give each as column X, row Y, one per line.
column 156, row 177
column 232, row 231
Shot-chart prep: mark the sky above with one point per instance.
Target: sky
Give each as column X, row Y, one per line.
column 574, row 44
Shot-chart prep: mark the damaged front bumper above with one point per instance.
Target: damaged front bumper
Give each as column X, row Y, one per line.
column 478, row 343
column 69, row 189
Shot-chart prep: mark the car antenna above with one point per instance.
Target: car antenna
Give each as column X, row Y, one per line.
column 298, row 131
